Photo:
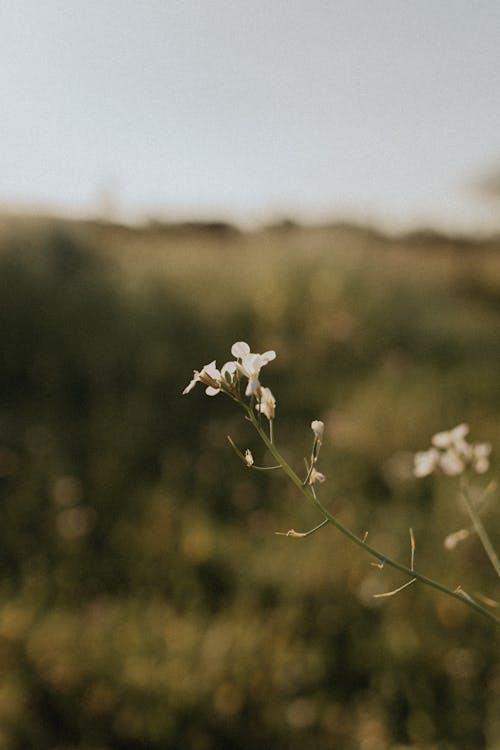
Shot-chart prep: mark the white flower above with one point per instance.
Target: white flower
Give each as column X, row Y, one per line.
column 453, row 539
column 240, row 349
column 480, row 457
column 248, row 457
column 451, row 463
column 316, row 476
column 208, row 375
column 250, row 365
column 425, row 462
column 247, row 363
column 318, row 427
column 452, row 454
column 212, row 377
column 454, row 438
column 267, row 403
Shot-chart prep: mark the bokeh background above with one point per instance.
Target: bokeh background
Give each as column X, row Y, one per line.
column 176, row 177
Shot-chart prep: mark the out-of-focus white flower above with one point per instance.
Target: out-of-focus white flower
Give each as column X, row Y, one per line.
column 316, row 476
column 453, row 539
column 248, row 457
column 454, row 438
column 318, row 428
column 451, row 462
column 213, row 378
column 480, row 457
column 267, row 403
column 452, row 454
column 425, row 462
column 250, row 365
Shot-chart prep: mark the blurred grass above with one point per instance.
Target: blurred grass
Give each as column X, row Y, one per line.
column 145, row 601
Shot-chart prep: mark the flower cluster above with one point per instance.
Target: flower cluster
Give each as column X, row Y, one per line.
column 247, row 364
column 214, row 379
column 451, row 454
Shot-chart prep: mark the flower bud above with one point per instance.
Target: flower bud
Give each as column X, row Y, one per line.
column 316, row 476
column 318, row 428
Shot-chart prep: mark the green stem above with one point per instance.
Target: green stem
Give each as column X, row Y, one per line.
column 264, row 468
column 311, row 496
column 480, row 530
column 302, row 534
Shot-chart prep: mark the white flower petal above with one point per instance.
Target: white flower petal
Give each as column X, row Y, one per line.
column 451, row 463
column 211, row 370
column 442, row 439
column 453, row 539
column 190, row 386
column 425, row 462
column 481, row 464
column 454, row 437
column 253, row 385
column 267, row 403
column 480, row 457
column 252, row 363
column 463, row 448
column 240, row 349
column 459, row 432
column 316, row 476
column 230, row 368
column 267, row 357
column 210, row 391
column 481, row 449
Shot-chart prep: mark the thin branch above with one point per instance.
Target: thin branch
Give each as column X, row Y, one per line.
column 309, row 468
column 480, row 530
column 310, row 495
column 264, row 468
column 412, row 543
column 408, row 583
column 241, row 455
column 395, row 591
column 302, row 534
column 236, row 449
column 468, row 597
column 486, row 599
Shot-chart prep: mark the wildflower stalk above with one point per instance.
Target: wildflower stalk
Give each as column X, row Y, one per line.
column 310, row 495
column 449, row 453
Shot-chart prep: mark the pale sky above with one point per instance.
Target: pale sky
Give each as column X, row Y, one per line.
column 380, row 110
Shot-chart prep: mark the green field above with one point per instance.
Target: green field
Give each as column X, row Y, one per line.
column 145, row 601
